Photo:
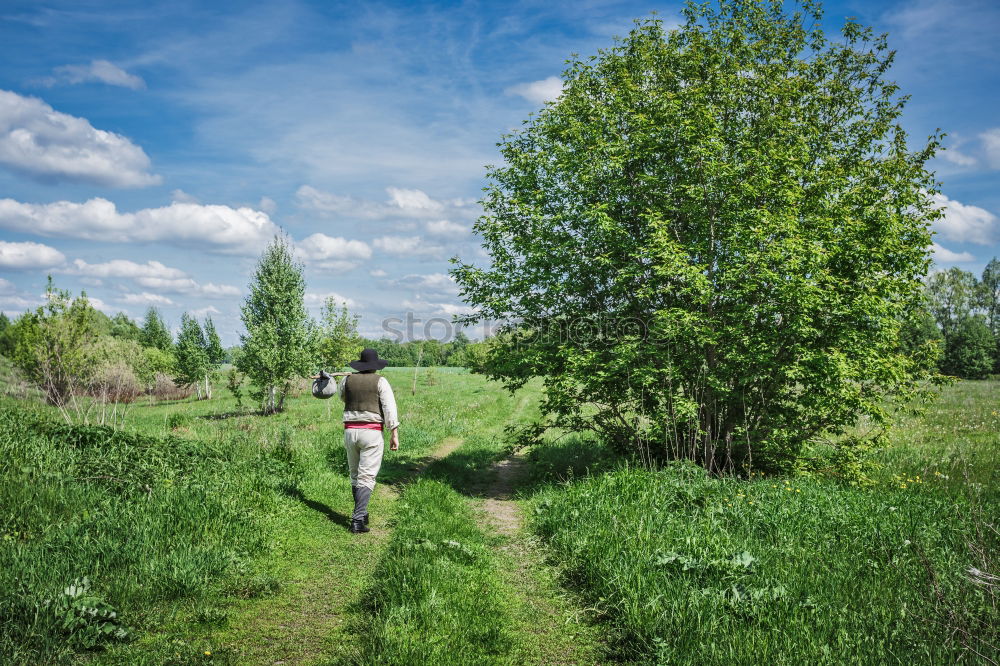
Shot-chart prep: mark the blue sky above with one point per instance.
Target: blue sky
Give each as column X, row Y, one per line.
column 149, row 150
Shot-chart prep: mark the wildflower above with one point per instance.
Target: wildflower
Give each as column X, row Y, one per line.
column 208, row 653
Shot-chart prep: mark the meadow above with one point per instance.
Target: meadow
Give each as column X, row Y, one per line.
column 201, row 532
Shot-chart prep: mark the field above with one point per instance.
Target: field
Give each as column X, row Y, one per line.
column 204, row 533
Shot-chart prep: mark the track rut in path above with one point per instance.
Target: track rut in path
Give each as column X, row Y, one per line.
column 553, row 625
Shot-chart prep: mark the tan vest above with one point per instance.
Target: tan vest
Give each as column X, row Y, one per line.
column 361, row 393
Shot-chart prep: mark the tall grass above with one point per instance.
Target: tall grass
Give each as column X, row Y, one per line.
column 688, row 568
column 99, row 525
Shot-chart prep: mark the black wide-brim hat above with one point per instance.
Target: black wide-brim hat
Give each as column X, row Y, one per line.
column 369, row 361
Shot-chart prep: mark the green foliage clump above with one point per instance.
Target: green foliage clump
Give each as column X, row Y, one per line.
column 706, row 243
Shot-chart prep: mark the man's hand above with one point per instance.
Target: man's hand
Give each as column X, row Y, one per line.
column 394, row 440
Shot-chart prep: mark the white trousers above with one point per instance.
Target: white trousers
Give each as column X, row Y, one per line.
column 364, row 455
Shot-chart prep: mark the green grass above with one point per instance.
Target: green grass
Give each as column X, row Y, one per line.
column 203, row 525
column 147, row 520
column 207, row 528
column 438, row 596
column 691, row 569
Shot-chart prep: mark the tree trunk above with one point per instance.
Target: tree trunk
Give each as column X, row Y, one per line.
column 208, row 388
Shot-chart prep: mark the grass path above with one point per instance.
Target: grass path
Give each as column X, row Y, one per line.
column 325, row 570
column 552, row 625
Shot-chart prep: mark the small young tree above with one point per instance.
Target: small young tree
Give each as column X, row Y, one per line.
column 216, row 353
column 155, row 332
column 277, row 344
column 193, row 363
column 706, row 243
column 337, row 339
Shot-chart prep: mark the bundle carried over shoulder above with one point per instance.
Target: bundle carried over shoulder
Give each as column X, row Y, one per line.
column 324, row 386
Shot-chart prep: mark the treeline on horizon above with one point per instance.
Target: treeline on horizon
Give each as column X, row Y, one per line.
column 960, row 315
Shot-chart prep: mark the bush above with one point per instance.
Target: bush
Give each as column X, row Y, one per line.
column 163, row 388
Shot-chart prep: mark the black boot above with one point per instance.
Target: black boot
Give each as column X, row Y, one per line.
column 360, row 517
column 354, row 492
column 359, row 527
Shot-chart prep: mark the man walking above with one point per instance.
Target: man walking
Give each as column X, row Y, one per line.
column 369, row 408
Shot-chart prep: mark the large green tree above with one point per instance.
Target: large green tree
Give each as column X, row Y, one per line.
column 276, row 347
column 706, row 244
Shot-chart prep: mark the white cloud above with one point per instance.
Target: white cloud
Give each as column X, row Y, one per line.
column 268, row 205
column 966, row 224
column 145, row 298
column 14, row 305
column 27, row 256
column 378, row 272
column 330, row 253
column 414, row 202
column 124, row 268
column 539, row 92
column 153, row 275
column 317, row 300
column 991, row 144
column 955, row 156
column 402, row 202
column 180, row 196
column 206, row 311
column 101, row 305
column 440, row 283
column 446, row 228
column 943, row 254
column 100, row 71
column 407, row 246
column 213, row 228
column 39, row 141
column 439, row 309
column 7, row 287
column 320, row 246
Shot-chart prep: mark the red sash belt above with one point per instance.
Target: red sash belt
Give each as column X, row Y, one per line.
column 364, row 425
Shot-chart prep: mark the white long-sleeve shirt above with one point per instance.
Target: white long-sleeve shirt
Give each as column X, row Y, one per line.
column 385, row 398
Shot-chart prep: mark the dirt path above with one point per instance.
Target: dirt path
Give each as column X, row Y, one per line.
column 323, row 570
column 553, row 624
